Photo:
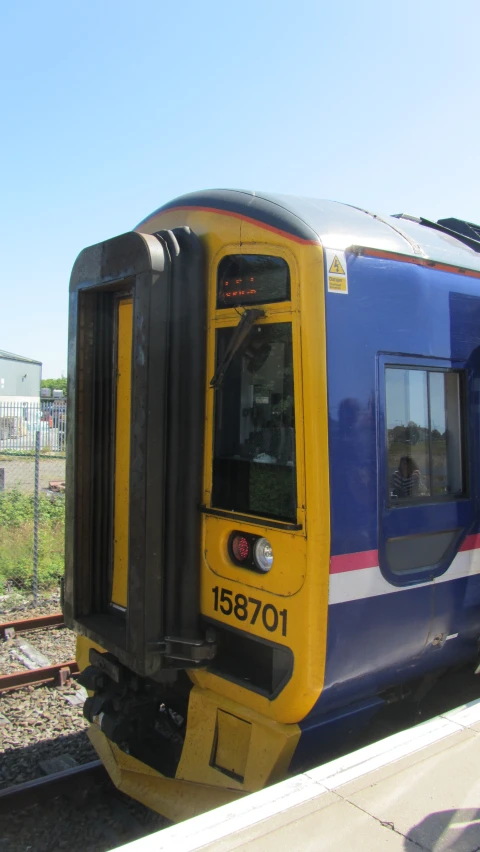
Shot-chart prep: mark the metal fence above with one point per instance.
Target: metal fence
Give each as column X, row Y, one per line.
column 20, row 422
column 32, row 488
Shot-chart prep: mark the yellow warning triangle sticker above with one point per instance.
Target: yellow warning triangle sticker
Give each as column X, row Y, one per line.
column 336, row 267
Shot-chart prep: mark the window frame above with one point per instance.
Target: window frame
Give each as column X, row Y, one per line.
column 425, row 515
column 427, row 366
column 274, row 312
column 269, row 518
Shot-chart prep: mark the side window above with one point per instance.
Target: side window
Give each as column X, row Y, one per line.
column 424, row 435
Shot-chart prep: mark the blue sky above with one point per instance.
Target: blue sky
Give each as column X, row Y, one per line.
column 111, row 108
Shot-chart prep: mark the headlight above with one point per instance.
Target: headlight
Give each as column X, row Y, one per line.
column 263, row 555
column 250, row 551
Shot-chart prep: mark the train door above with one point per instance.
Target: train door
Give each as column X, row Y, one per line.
column 456, row 625
column 425, row 516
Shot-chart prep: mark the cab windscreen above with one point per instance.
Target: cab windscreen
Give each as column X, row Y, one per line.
column 254, row 448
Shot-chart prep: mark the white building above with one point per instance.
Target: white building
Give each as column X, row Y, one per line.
column 19, row 379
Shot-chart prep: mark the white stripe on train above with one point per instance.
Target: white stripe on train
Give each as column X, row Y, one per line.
column 369, row 582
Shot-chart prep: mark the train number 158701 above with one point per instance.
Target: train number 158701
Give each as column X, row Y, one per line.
column 249, row 610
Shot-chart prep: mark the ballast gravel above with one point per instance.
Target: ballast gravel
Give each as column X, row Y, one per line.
column 57, row 644
column 43, row 723
column 16, row 605
column 98, row 821
column 40, row 723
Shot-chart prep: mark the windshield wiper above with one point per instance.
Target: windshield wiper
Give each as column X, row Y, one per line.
column 239, row 336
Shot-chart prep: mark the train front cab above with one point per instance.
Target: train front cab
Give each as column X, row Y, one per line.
column 198, row 390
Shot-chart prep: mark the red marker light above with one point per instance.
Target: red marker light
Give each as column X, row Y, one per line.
column 240, row 548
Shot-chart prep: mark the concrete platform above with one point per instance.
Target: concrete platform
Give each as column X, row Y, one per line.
column 417, row 790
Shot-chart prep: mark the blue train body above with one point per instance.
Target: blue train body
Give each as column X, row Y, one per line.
column 383, row 630
column 236, row 674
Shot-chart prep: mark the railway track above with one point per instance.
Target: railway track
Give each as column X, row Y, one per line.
column 57, row 673
column 25, row 625
column 72, row 781
column 42, row 731
column 75, row 809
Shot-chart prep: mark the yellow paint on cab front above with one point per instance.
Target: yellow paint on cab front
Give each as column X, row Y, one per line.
column 300, row 578
column 122, row 451
column 223, row 739
column 211, row 771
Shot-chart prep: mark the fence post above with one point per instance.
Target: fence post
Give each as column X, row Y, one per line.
column 36, row 508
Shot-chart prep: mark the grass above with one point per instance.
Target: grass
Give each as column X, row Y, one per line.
column 45, row 453
column 16, row 540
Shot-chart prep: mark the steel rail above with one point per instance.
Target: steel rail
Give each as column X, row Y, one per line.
column 39, row 790
column 25, row 624
column 32, row 677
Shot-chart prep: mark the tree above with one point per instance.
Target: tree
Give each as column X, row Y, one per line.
column 55, row 384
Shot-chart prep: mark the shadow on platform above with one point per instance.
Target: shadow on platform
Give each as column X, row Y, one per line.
column 447, row 831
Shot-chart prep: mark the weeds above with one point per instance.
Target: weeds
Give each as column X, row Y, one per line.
column 16, row 540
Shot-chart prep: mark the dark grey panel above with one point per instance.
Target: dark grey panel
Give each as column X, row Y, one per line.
column 414, row 552
column 249, row 204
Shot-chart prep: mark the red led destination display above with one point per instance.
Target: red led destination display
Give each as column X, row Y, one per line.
column 252, row 279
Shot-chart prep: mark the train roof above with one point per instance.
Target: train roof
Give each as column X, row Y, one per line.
column 340, row 226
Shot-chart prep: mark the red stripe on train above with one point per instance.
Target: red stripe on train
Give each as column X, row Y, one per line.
column 354, row 561
column 471, row 543
column 369, row 558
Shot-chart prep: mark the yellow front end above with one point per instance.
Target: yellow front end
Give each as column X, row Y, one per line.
column 241, row 734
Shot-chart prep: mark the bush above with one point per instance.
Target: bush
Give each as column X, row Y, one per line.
column 16, row 540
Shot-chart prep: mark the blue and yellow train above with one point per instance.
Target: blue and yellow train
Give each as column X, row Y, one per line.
column 273, row 518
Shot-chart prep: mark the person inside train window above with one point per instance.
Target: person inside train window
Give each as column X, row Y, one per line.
column 407, row 480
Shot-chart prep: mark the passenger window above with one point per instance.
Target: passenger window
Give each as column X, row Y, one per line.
column 424, row 434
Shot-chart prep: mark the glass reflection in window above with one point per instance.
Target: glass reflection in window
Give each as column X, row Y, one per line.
column 424, row 446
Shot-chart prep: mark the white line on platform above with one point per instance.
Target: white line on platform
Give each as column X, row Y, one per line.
column 196, row 833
